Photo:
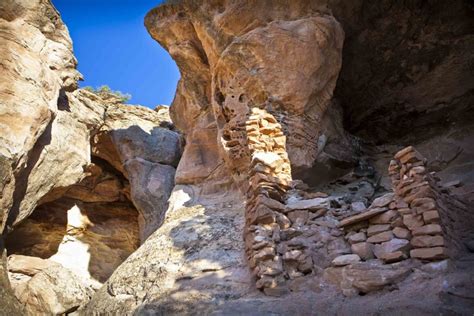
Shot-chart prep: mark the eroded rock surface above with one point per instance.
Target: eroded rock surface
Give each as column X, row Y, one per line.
column 84, row 178
column 263, row 104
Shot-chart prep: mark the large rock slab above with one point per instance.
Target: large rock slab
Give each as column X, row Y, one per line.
column 196, row 254
column 54, row 290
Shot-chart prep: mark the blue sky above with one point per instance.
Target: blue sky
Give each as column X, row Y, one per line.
column 114, row 48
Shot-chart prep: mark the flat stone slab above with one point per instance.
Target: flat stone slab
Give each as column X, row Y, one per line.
column 344, row 260
column 311, row 204
column 362, row 217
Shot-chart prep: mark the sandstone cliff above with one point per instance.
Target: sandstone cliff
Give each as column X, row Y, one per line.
column 85, row 179
column 290, row 186
column 262, row 102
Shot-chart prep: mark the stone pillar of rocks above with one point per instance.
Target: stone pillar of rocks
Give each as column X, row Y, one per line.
column 418, row 188
column 266, row 223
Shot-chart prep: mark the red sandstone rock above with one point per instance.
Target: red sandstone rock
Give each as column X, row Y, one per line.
column 435, row 253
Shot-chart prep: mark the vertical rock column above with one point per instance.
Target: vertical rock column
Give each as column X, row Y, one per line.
column 266, row 222
column 418, row 188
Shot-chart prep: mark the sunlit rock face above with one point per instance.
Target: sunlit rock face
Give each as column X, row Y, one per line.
column 95, row 175
column 234, row 57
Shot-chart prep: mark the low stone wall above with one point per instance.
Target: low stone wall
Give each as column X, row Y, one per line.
column 403, row 224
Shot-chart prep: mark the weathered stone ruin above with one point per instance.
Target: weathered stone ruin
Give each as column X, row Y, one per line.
column 406, row 223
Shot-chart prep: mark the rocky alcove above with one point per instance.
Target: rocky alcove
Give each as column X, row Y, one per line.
column 317, row 157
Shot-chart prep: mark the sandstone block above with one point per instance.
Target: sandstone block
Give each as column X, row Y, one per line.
column 357, row 238
column 391, row 246
column 401, row 233
column 345, row 260
column 412, row 221
column 361, row 217
column 300, row 217
column 364, row 250
column 431, row 217
column 312, row 204
column 383, row 200
column 404, row 211
column 404, row 151
column 376, row 229
column 435, row 253
column 426, row 241
column 384, row 218
column 392, row 257
column 398, row 222
column 422, row 201
column 431, row 229
column 381, row 237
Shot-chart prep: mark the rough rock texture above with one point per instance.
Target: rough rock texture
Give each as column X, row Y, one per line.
column 203, row 257
column 262, row 101
column 37, row 65
column 95, row 175
column 227, row 69
column 54, row 290
column 244, row 122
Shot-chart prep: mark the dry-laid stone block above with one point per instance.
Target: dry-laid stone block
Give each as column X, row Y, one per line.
column 431, row 229
column 392, row 257
column 427, row 241
column 384, row 218
column 345, row 260
column 401, row 233
column 357, row 238
column 362, row 217
column 381, row 237
column 412, row 221
column 376, row 229
column 383, row 200
column 431, row 217
column 435, row 253
column 391, row 246
column 364, row 250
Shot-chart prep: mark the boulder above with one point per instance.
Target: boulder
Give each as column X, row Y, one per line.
column 54, row 290
column 28, row 265
column 369, row 276
column 358, row 206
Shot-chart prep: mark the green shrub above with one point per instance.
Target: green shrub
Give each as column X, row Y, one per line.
column 105, row 92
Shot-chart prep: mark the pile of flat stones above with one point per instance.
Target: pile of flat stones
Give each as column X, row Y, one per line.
column 279, row 231
column 403, row 224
